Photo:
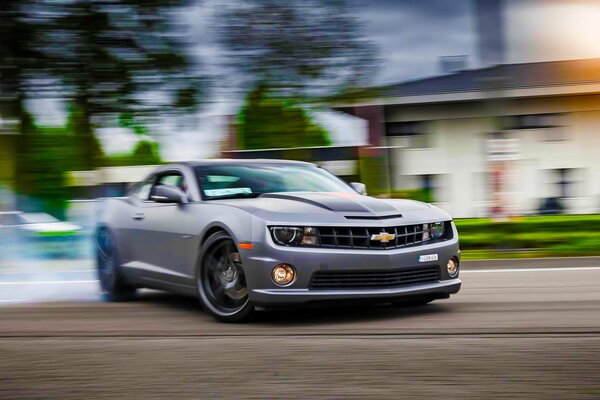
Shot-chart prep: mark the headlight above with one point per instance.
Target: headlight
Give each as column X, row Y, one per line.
column 294, row 235
column 433, row 231
column 437, row 230
column 426, row 235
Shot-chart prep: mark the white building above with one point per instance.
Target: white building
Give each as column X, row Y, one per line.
column 514, row 133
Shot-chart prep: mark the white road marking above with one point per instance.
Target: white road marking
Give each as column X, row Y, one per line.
column 48, row 282
column 12, row 301
column 66, row 271
column 566, row 269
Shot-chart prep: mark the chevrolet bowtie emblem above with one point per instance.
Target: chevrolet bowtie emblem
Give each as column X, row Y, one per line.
column 383, row 237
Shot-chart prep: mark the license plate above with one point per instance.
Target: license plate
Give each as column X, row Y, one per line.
column 428, row 257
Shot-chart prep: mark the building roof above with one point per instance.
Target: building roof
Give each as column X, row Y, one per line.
column 505, row 76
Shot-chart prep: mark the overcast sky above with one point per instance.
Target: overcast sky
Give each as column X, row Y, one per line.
column 413, row 34
column 410, row 35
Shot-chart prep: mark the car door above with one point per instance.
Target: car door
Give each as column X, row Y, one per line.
column 165, row 241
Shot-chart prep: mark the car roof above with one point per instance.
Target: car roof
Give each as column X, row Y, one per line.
column 237, row 161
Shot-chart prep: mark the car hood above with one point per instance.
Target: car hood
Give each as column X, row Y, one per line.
column 334, row 207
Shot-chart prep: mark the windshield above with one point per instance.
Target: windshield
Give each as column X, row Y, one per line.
column 252, row 180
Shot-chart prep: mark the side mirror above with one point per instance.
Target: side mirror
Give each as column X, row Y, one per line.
column 168, row 194
column 360, row 188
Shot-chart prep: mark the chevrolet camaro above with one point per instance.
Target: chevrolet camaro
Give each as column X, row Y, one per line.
column 242, row 234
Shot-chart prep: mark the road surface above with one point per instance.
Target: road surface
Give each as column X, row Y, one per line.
column 510, row 333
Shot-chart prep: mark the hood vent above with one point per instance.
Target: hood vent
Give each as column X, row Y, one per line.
column 371, row 217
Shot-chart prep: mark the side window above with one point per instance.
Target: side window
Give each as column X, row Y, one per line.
column 173, row 179
column 142, row 189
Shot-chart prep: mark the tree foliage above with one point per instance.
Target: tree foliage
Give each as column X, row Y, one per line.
column 298, row 47
column 290, row 53
column 267, row 122
column 123, row 56
column 44, row 156
column 104, row 57
column 144, row 153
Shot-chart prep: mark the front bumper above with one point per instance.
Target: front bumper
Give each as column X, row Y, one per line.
column 281, row 296
column 260, row 261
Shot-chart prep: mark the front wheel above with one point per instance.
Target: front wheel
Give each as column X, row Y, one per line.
column 221, row 281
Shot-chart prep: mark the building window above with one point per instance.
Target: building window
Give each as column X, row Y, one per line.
column 552, row 126
column 413, row 134
column 565, row 182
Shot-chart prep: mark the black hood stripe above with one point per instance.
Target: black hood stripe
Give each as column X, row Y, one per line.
column 338, row 202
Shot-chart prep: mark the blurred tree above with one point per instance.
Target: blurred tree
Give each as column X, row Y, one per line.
column 45, row 155
column 18, row 53
column 19, row 26
column 267, row 122
column 107, row 57
column 120, row 56
column 297, row 51
column 144, row 153
column 297, row 48
column 88, row 154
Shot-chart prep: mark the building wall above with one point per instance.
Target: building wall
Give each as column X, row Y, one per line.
column 457, row 157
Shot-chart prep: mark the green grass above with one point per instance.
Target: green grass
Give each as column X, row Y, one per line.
column 544, row 236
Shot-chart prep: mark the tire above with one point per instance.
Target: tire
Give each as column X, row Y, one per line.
column 220, row 280
column 108, row 267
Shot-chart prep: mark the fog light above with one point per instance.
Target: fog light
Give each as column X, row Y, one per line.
column 452, row 267
column 283, row 274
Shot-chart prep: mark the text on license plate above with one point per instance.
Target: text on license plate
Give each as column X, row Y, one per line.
column 428, row 257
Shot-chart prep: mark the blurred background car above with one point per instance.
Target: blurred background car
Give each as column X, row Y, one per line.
column 39, row 235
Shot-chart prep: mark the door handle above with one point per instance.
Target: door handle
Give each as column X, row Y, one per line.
column 138, row 216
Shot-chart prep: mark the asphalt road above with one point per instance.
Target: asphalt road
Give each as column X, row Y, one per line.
column 510, row 333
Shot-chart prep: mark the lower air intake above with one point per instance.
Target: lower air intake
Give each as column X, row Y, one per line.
column 374, row 279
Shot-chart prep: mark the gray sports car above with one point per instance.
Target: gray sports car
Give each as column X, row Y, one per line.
column 241, row 234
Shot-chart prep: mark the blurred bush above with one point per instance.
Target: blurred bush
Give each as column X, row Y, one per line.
column 569, row 235
column 423, row 194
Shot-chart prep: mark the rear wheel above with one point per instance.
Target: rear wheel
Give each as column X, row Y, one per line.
column 221, row 281
column 112, row 282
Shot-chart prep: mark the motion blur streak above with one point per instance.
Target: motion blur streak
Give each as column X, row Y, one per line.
column 46, row 282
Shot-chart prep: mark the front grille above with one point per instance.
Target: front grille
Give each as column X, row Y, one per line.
column 360, row 238
column 374, row 279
